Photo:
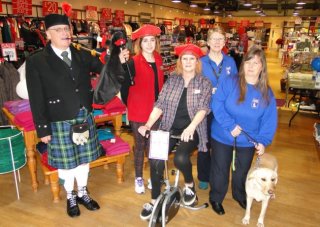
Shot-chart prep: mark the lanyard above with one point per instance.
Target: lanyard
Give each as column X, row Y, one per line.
column 219, row 72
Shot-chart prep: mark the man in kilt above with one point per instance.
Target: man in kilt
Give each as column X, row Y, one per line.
column 60, row 94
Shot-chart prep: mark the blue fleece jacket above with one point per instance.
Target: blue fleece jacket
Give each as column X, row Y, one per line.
column 229, row 68
column 254, row 116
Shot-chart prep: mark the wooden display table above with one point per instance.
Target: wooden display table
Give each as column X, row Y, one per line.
column 31, row 139
column 52, row 178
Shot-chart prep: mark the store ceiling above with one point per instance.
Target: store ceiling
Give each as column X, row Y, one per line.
column 236, row 5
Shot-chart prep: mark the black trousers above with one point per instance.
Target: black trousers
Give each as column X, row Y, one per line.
column 181, row 161
column 221, row 159
column 204, row 158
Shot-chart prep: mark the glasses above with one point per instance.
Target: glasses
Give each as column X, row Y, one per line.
column 217, row 39
column 60, row 30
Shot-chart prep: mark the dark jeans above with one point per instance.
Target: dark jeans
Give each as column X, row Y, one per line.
column 204, row 158
column 181, row 161
column 221, row 159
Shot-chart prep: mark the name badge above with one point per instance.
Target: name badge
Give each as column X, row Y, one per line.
column 214, row 90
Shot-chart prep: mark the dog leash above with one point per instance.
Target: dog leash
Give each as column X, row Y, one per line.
column 251, row 140
column 255, row 143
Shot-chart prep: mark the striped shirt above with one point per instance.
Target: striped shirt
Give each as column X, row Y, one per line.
column 198, row 98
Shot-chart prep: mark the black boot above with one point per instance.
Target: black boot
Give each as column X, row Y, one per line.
column 72, row 205
column 86, row 201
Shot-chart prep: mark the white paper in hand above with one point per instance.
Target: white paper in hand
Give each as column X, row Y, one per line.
column 159, row 145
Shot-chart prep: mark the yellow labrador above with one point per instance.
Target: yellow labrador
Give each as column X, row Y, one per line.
column 260, row 185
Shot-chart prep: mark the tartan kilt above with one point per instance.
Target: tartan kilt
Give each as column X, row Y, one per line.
column 63, row 153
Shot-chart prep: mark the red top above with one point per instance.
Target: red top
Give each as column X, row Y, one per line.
column 141, row 96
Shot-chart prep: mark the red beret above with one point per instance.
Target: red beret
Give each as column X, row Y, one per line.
column 188, row 49
column 145, row 30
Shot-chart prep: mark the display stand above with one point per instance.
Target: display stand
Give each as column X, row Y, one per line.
column 12, row 153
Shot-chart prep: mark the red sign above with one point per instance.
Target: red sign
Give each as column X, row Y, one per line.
column 49, row 7
column 91, row 13
column 0, row 6
column 202, row 21
column 182, row 21
column 106, row 14
column 119, row 14
column 232, row 23
column 245, row 23
column 74, row 15
column 259, row 23
column 9, row 51
column 22, row 7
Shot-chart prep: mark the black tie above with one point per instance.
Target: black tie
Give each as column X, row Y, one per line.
column 65, row 58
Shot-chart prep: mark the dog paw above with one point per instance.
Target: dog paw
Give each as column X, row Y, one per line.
column 246, row 221
column 260, row 224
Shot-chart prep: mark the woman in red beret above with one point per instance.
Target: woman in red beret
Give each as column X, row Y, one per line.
column 146, row 79
column 183, row 103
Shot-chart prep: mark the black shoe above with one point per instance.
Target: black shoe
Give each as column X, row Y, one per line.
column 189, row 195
column 72, row 206
column 146, row 211
column 89, row 203
column 242, row 203
column 217, row 207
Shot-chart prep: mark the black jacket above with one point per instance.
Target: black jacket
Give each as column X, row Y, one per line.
column 56, row 92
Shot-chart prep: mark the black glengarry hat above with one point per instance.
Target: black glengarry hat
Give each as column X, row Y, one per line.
column 56, row 19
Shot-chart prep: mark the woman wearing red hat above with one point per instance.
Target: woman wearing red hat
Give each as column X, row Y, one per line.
column 147, row 82
column 183, row 103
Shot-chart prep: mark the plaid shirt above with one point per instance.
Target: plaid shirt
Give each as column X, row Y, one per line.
column 198, row 98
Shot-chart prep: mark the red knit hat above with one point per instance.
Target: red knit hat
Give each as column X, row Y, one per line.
column 146, row 30
column 188, row 49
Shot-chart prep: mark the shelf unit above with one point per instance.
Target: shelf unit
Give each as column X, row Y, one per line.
column 167, row 53
column 308, row 26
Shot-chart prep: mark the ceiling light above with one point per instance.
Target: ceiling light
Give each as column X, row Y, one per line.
column 207, row 8
column 193, row 5
column 247, row 3
column 299, row 7
column 254, row 7
column 300, row 2
column 176, row 1
column 258, row 10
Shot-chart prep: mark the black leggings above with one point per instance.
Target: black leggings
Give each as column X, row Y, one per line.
column 181, row 161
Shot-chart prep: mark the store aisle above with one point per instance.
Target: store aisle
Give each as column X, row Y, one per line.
column 296, row 204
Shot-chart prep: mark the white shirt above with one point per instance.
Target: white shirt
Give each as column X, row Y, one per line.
column 59, row 52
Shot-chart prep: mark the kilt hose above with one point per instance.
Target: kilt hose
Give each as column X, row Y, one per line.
column 63, row 153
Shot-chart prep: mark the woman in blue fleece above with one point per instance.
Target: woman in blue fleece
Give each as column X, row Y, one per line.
column 216, row 65
column 243, row 104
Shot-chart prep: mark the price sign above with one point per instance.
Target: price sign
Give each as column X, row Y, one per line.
column 259, row 23
column 119, row 15
column 23, row 7
column 91, row 13
column 9, row 51
column 232, row 23
column 245, row 23
column 106, row 14
column 49, row 7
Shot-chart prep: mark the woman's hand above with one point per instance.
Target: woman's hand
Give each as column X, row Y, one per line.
column 187, row 134
column 260, row 149
column 124, row 55
column 143, row 129
column 45, row 139
column 236, row 131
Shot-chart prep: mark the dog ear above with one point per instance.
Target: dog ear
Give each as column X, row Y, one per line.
column 252, row 175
